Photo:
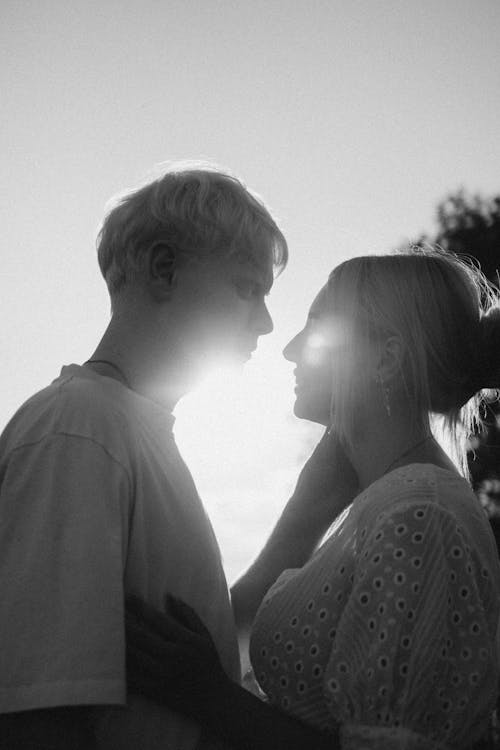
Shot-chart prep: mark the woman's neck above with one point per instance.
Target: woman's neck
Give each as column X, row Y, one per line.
column 383, row 448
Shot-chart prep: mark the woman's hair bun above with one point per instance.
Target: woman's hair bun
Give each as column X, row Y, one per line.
column 488, row 360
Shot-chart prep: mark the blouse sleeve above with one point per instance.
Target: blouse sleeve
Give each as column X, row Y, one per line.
column 413, row 653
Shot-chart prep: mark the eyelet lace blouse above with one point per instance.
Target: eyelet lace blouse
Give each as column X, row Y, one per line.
column 390, row 631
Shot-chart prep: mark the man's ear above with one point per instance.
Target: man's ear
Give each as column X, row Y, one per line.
column 390, row 361
column 162, row 267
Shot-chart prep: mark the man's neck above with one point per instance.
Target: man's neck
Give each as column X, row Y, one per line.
column 130, row 354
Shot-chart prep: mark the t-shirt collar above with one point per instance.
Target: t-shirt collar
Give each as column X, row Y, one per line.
column 156, row 408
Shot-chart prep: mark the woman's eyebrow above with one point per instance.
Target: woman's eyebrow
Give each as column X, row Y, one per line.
column 313, row 315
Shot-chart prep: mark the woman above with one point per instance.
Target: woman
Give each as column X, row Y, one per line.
column 389, row 636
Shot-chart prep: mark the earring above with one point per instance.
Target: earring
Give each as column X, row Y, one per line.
column 385, row 397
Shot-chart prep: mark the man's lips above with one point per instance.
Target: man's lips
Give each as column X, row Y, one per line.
column 246, row 354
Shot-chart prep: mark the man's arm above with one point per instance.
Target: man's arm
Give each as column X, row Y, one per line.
column 62, row 728
column 85, row 728
column 61, row 578
column 172, row 659
column 246, row 723
column 326, row 485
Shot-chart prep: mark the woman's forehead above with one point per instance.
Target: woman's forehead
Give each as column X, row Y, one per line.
column 321, row 303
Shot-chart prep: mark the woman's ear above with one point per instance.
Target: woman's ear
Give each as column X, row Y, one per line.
column 162, row 267
column 390, row 360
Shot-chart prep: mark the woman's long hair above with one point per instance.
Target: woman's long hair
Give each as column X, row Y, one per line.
column 447, row 317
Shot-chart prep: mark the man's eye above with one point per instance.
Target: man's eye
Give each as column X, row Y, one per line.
column 247, row 289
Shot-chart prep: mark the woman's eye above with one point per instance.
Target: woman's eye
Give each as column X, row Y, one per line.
column 321, row 335
column 317, row 340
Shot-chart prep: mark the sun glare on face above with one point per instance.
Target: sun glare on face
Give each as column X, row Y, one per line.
column 325, row 338
column 244, row 447
column 316, row 340
column 221, row 422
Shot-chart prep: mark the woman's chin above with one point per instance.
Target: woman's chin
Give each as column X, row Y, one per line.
column 307, row 411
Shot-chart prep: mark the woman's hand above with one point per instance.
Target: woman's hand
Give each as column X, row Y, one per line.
column 171, row 657
column 325, row 487
column 328, row 477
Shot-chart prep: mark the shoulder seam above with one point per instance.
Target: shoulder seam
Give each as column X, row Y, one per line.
column 63, row 433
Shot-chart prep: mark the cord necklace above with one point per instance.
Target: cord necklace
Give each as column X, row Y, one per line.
column 406, row 452
column 120, row 372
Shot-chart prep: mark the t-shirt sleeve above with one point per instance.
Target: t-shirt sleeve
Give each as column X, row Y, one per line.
column 412, row 648
column 63, row 531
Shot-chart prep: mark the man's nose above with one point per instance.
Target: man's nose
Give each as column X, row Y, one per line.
column 264, row 321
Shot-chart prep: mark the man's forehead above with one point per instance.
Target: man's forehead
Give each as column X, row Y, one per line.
column 259, row 268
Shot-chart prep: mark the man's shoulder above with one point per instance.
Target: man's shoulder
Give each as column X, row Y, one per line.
column 72, row 406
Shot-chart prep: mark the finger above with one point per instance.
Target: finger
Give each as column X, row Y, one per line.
column 186, row 615
column 166, row 689
column 160, row 645
column 141, row 665
column 142, row 675
column 160, row 623
column 173, row 687
column 138, row 607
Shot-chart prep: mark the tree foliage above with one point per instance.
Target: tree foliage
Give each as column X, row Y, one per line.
column 470, row 224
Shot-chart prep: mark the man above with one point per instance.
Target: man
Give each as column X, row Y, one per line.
column 95, row 500
column 96, row 503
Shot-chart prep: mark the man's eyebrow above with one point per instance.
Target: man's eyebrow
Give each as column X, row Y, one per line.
column 264, row 282
column 260, row 281
column 266, row 286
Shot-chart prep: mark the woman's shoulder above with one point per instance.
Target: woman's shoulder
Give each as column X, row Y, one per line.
column 441, row 490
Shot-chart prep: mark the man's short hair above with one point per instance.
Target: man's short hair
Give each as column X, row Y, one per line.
column 198, row 211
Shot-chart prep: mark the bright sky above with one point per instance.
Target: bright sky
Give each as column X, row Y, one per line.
column 351, row 118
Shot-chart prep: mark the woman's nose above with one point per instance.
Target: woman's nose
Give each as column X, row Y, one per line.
column 291, row 350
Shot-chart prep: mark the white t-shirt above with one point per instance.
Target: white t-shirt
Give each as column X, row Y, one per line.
column 96, row 504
